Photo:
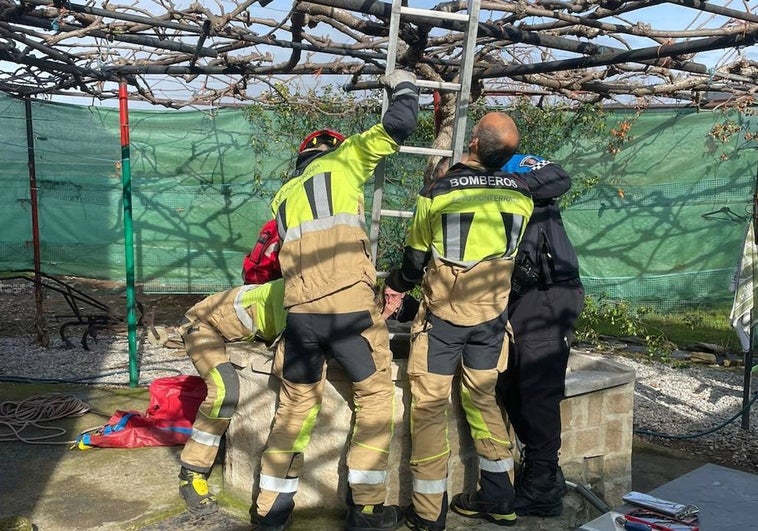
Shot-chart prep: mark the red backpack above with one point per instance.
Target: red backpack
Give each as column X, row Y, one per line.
column 262, row 263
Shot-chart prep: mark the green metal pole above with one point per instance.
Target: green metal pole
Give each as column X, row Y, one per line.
column 126, row 185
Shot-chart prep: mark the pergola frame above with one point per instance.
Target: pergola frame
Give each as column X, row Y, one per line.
column 231, row 52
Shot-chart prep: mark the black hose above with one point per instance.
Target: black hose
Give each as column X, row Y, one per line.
column 86, row 380
column 706, row 432
column 590, row 496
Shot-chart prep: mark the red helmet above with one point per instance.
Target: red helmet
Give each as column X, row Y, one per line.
column 322, row 136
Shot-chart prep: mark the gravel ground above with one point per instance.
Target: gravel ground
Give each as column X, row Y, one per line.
column 699, row 408
column 106, row 361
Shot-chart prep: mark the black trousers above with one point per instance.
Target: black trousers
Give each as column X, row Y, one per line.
column 532, row 388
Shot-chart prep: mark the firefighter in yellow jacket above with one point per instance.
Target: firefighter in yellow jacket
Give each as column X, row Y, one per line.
column 329, row 282
column 461, row 247
column 251, row 312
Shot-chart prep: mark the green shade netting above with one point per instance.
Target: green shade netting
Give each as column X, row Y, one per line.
column 666, row 226
column 662, row 223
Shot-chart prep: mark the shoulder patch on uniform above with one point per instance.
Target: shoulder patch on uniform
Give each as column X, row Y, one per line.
column 528, row 161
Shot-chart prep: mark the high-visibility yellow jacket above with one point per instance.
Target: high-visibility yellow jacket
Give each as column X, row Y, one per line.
column 320, row 212
column 464, row 235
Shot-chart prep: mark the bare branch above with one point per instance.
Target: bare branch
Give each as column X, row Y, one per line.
column 242, row 49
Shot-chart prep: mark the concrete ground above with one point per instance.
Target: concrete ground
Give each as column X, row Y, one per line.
column 61, row 489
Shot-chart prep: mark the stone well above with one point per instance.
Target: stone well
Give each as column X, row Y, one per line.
column 597, row 437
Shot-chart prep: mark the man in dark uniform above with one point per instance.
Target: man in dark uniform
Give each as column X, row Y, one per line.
column 546, row 298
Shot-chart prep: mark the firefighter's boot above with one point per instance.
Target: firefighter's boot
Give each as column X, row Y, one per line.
column 258, row 525
column 472, row 506
column 17, row 523
column 540, row 490
column 492, row 502
column 193, row 486
column 414, row 522
column 373, row 518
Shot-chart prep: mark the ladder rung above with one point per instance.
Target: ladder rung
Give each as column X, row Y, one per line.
column 441, row 85
column 397, row 213
column 445, row 15
column 426, row 151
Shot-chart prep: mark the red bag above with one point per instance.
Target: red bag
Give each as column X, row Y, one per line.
column 176, row 397
column 174, row 402
column 129, row 429
column 262, row 263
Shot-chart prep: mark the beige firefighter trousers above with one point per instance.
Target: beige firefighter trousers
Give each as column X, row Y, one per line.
column 347, row 326
column 210, row 323
column 438, row 349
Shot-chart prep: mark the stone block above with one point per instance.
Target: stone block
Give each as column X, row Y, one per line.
column 618, row 401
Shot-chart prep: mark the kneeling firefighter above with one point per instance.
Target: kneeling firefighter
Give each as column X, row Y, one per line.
column 246, row 313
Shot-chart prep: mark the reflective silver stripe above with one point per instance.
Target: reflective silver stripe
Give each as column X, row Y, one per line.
column 501, row 465
column 402, row 91
column 352, row 220
column 321, row 197
column 278, row 484
column 430, row 486
column 453, row 247
column 514, row 235
column 366, row 477
column 240, row 310
column 205, row 438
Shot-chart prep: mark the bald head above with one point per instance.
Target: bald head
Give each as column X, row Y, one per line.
column 493, row 140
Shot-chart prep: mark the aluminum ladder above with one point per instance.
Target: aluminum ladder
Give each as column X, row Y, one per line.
column 462, row 88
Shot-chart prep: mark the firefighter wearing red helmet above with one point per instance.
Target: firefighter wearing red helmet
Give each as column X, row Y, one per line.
column 323, row 137
column 328, row 291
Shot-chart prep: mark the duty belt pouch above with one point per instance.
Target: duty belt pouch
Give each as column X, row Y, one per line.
column 525, row 274
column 530, row 272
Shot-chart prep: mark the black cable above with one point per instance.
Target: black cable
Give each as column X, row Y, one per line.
column 86, row 380
column 707, row 432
